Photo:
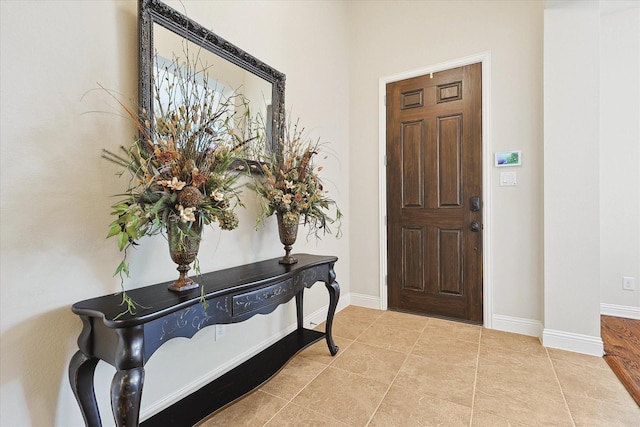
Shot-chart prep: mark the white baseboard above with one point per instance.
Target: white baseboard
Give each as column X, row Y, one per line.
column 309, row 321
column 317, row 317
column 625, row 311
column 578, row 343
column 193, row 386
column 516, row 325
column 366, row 301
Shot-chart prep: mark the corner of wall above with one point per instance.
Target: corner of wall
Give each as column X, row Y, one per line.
column 517, row 325
column 367, row 301
column 578, row 343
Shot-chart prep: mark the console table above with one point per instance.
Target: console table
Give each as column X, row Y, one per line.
column 232, row 295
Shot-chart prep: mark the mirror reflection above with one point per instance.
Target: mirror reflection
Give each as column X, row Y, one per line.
column 168, row 37
column 250, row 95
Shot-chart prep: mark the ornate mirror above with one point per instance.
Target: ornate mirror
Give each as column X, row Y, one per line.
column 164, row 33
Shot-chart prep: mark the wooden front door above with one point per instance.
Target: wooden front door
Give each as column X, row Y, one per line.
column 434, row 189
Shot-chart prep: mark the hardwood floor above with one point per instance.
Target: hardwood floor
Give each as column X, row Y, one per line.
column 622, row 351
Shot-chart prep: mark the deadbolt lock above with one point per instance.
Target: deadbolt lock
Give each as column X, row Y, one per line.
column 475, row 204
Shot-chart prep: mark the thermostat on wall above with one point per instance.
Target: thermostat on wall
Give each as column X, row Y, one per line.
column 508, row 158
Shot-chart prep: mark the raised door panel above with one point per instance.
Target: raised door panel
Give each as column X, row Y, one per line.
column 413, row 255
column 449, row 145
column 412, row 170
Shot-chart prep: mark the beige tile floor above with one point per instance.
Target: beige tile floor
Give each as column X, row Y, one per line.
column 396, row 369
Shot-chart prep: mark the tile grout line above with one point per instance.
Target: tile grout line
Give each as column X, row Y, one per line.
column 385, row 393
column 555, row 374
column 373, row 414
column 394, row 378
column 290, row 401
column 328, row 362
column 475, row 378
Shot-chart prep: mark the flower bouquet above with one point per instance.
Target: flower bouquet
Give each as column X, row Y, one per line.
column 292, row 190
column 180, row 169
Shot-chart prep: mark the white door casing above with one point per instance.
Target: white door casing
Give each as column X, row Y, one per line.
column 487, row 165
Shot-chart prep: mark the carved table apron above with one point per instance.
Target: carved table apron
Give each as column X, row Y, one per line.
column 233, row 295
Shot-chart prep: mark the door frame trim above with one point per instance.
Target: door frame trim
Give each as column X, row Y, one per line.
column 487, row 164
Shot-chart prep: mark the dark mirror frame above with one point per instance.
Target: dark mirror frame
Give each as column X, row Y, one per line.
column 154, row 11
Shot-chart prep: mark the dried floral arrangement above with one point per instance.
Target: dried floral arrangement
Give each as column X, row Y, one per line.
column 291, row 185
column 180, row 169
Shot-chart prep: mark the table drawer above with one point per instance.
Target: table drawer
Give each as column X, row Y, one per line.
column 256, row 300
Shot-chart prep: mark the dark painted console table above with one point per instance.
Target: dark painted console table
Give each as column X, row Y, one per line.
column 233, row 295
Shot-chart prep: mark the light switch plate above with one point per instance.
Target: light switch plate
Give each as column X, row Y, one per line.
column 508, row 179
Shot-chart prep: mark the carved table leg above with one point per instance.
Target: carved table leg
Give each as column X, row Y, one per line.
column 81, row 370
column 126, row 395
column 334, row 295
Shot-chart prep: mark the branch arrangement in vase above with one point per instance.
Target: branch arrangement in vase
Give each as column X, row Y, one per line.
column 291, row 187
column 180, row 170
column 181, row 176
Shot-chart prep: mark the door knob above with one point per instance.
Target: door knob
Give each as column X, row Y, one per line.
column 475, row 226
column 475, row 204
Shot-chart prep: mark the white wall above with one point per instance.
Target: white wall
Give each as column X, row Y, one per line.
column 56, row 189
column 619, row 156
column 571, row 193
column 592, row 220
column 391, row 37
